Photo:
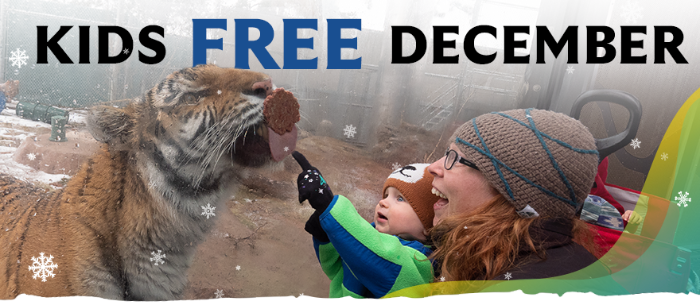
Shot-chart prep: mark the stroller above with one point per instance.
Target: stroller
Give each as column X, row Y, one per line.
column 641, row 257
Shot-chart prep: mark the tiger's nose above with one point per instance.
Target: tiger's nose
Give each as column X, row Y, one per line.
column 264, row 85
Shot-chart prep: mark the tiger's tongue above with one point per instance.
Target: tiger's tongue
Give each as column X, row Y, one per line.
column 282, row 145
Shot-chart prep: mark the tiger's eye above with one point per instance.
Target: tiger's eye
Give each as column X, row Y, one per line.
column 189, row 99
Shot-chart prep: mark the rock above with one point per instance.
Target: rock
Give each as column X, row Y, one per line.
column 56, row 157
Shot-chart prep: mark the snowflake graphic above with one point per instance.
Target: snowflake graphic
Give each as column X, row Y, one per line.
column 42, row 267
column 219, row 293
column 683, row 199
column 151, row 185
column 218, row 92
column 635, row 143
column 442, row 279
column 286, row 149
column 18, row 58
column 158, row 258
column 208, row 210
column 320, row 191
column 395, row 166
column 631, row 11
column 126, row 51
column 31, row 156
column 301, row 294
column 349, row 131
column 570, row 70
column 238, row 268
column 664, row 156
column 508, row 276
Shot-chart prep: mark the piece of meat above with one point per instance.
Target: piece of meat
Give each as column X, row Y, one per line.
column 281, row 111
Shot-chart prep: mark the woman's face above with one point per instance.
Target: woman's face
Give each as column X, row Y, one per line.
column 461, row 189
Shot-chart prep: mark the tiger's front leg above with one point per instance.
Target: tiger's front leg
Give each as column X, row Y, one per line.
column 162, row 276
column 94, row 265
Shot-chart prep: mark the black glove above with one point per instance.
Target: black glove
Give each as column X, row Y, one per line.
column 313, row 187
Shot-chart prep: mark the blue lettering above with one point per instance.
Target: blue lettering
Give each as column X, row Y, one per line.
column 292, row 43
column 243, row 44
column 335, row 43
column 200, row 43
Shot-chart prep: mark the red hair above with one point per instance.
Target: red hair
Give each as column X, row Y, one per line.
column 490, row 244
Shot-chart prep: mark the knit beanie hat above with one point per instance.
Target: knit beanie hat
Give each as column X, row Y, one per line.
column 415, row 182
column 542, row 162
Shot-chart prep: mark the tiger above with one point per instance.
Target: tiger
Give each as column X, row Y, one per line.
column 127, row 224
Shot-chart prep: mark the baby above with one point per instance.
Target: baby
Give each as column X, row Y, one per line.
column 371, row 260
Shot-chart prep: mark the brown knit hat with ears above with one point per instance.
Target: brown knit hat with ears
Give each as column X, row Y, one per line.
column 542, row 162
column 415, row 182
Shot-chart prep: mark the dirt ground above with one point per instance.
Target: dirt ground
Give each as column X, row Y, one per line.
column 259, row 247
column 263, row 229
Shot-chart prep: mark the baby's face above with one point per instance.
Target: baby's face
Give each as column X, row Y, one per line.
column 394, row 215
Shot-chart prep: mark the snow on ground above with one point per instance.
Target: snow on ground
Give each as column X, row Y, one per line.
column 13, row 130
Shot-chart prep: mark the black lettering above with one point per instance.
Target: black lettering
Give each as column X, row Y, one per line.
column 627, row 44
column 510, row 44
column 152, row 44
column 439, row 44
column 52, row 44
column 103, row 44
column 84, row 44
column 470, row 49
column 570, row 36
column 660, row 44
column 592, row 44
column 397, row 44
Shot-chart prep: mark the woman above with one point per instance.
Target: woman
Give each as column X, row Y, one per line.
column 510, row 185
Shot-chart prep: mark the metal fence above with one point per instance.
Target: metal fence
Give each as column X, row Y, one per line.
column 79, row 85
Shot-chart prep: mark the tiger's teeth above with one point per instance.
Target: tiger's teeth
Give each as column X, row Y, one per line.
column 437, row 193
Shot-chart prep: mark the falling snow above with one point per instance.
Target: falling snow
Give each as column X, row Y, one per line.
column 43, row 267
column 664, row 156
column 208, row 210
column 158, row 258
column 18, row 58
column 218, row 92
column 683, row 199
column 349, row 131
column 631, row 11
column 636, row 143
column 219, row 293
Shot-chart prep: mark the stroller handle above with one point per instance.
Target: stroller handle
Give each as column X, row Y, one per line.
column 611, row 144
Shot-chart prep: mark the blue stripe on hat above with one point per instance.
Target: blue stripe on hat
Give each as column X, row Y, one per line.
column 540, row 135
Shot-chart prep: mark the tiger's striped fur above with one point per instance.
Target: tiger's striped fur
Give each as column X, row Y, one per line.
column 177, row 148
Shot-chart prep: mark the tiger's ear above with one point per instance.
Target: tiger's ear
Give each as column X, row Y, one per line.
column 110, row 125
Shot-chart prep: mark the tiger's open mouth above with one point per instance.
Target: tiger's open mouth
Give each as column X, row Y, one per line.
column 260, row 145
column 276, row 135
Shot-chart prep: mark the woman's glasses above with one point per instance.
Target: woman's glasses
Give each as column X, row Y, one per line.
column 452, row 157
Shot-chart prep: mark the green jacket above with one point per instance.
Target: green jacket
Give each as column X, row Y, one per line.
column 362, row 262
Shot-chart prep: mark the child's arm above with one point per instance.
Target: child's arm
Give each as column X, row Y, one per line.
column 381, row 262
column 358, row 259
